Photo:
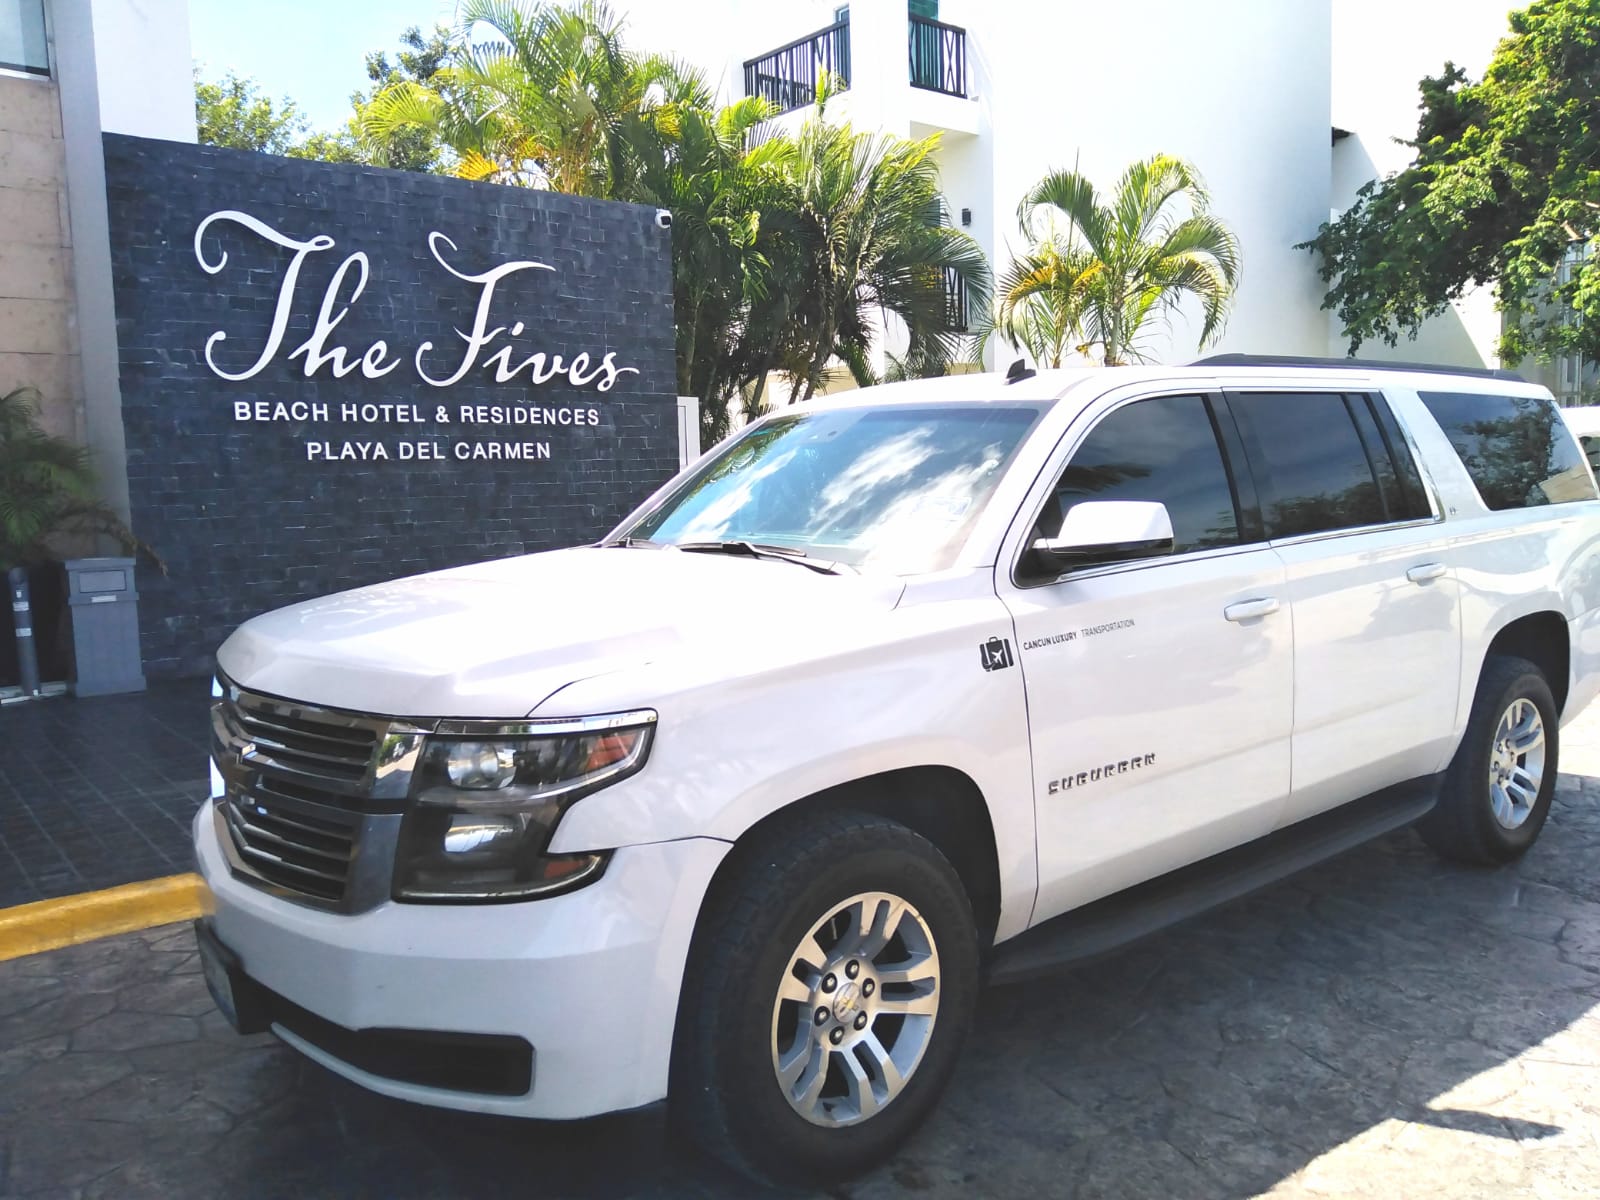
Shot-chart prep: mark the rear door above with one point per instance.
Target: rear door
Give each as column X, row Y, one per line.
column 1377, row 633
column 1159, row 690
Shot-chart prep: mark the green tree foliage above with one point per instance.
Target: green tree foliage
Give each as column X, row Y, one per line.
column 784, row 247
column 534, row 94
column 47, row 489
column 1505, row 184
column 418, row 60
column 729, row 208
column 1098, row 269
column 866, row 206
column 416, row 148
column 233, row 112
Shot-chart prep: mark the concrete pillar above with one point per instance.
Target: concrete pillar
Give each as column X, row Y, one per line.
column 73, row 29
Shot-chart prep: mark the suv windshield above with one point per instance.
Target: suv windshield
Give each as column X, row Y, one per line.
column 894, row 489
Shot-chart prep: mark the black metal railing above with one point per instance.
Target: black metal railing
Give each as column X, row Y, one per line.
column 938, row 56
column 937, row 214
column 787, row 77
column 955, row 300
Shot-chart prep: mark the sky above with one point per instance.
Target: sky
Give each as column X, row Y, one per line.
column 310, row 50
column 314, row 51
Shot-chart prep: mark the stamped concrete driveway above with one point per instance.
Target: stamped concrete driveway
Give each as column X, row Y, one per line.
column 1383, row 1026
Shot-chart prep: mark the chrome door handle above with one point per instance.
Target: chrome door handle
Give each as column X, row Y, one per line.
column 1425, row 571
column 1244, row 610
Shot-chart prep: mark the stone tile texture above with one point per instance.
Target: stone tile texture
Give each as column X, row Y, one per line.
column 99, row 792
column 1385, row 1025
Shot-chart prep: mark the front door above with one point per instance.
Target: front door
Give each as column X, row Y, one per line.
column 1159, row 690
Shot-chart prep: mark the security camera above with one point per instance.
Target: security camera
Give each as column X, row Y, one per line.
column 663, row 219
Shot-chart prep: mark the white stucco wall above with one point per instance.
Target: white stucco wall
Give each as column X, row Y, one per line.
column 1382, row 49
column 1240, row 87
column 144, row 68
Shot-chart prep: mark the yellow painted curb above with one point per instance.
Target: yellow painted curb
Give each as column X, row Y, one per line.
column 51, row 924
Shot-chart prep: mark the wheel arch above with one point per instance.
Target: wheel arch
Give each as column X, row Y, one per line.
column 941, row 803
column 1542, row 638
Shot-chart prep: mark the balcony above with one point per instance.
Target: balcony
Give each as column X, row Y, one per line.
column 937, row 55
column 905, row 73
column 787, row 77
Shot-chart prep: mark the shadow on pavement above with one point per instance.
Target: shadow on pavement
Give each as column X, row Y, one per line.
column 1221, row 1059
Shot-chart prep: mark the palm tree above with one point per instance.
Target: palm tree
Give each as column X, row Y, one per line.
column 864, row 205
column 732, row 229
column 1098, row 270
column 534, row 94
column 1040, row 306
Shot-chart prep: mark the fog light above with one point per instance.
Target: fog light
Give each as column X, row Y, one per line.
column 482, row 835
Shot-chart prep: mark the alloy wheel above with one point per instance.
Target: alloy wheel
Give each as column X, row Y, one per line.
column 855, row 1009
column 1516, row 764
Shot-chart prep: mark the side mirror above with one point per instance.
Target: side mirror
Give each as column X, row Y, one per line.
column 1106, row 531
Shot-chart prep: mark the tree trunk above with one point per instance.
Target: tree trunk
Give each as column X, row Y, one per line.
column 820, row 360
column 686, row 367
column 761, row 383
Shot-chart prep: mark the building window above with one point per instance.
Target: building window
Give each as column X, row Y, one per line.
column 22, row 42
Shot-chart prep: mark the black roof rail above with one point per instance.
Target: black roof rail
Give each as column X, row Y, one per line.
column 1360, row 364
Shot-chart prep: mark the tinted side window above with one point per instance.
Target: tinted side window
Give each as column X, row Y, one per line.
column 1163, row 450
column 1310, row 465
column 1399, row 489
column 1516, row 448
column 1405, row 463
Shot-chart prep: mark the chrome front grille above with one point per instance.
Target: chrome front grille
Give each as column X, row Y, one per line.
column 312, row 797
column 313, row 747
column 291, row 844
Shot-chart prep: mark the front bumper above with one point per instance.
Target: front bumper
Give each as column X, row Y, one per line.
column 590, row 979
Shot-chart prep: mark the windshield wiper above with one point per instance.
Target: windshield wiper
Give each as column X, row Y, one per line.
column 758, row 550
column 628, row 543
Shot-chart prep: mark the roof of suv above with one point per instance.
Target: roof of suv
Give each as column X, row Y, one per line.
column 991, row 386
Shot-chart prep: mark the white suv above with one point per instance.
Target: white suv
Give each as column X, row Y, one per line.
column 956, row 679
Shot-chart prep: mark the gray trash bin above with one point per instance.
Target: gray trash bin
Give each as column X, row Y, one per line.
column 105, row 626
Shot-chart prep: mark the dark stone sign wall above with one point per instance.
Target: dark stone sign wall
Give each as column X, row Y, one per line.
column 334, row 375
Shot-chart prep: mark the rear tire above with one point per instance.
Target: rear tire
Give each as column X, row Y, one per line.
column 1497, row 791
column 793, row 1070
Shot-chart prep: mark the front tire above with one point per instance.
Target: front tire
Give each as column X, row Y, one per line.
column 1497, row 791
column 825, row 1003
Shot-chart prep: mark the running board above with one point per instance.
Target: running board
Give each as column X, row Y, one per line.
column 1147, row 908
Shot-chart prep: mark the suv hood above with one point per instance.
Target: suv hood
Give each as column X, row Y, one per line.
column 496, row 639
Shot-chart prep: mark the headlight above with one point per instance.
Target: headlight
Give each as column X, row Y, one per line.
column 487, row 799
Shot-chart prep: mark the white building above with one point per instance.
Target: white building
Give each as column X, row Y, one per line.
column 1286, row 108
